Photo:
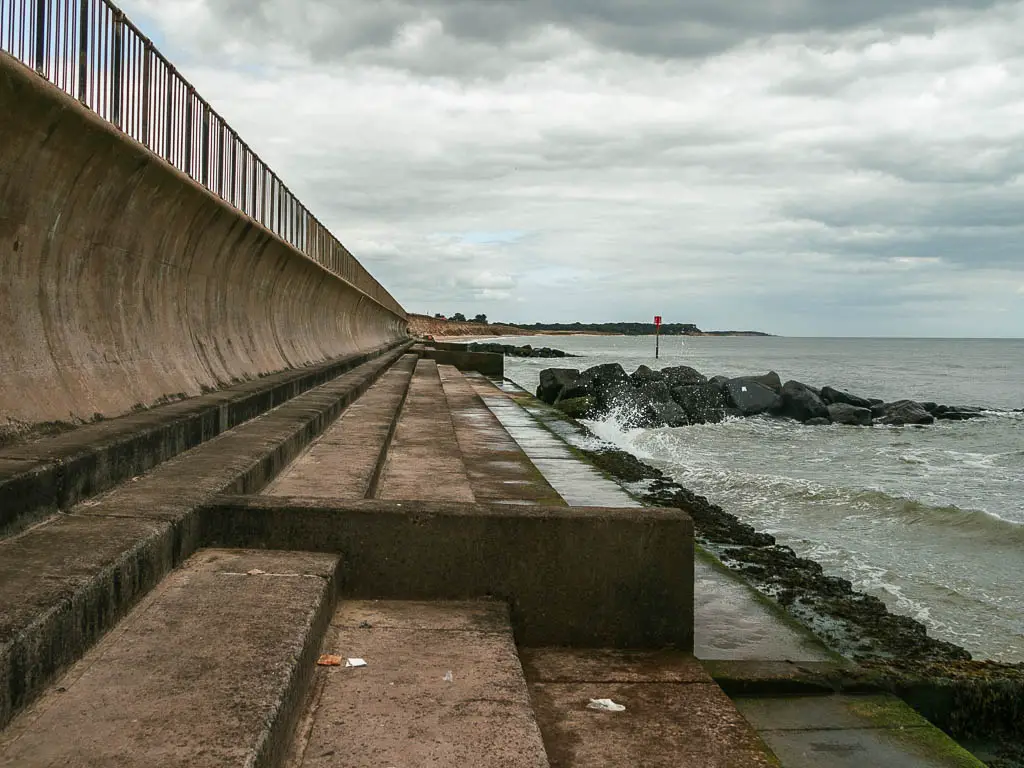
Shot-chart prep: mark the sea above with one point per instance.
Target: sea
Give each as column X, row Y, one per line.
column 928, row 519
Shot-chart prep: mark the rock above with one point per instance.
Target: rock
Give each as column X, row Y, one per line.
column 629, row 406
column 671, row 414
column 597, row 381
column 683, row 376
column 844, row 413
column 553, row 381
column 818, row 422
column 906, row 412
column 751, row 398
column 578, row 407
column 877, row 410
column 703, row 403
column 930, row 407
column 801, row 403
column 958, row 414
column 770, row 380
column 831, row 396
column 655, row 390
column 643, row 374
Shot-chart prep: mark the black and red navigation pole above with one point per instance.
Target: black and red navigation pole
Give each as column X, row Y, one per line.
column 657, row 335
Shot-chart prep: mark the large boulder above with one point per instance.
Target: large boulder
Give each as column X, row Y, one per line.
column 770, row 380
column 643, row 374
column 703, row 403
column 906, row 412
column 844, row 413
column 800, row 402
column 553, row 381
column 671, row 414
column 656, row 391
column 597, row 381
column 957, row 412
column 683, row 376
column 819, row 422
column 750, row 398
column 629, row 406
column 578, row 407
column 830, row 396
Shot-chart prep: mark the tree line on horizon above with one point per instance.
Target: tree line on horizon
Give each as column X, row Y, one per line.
column 626, row 329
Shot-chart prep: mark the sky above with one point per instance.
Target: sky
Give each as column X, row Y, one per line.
column 800, row 167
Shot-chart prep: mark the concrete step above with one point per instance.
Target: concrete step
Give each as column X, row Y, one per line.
column 424, row 461
column 579, row 483
column 209, row 670
column 675, row 716
column 850, row 731
column 499, row 471
column 442, row 687
column 66, row 581
column 345, row 461
column 47, row 475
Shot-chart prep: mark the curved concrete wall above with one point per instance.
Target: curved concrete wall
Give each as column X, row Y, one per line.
column 123, row 281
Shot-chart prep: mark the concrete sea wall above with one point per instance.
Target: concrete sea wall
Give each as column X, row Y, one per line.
column 123, row 282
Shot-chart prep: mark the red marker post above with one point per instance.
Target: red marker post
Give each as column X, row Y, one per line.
column 657, row 335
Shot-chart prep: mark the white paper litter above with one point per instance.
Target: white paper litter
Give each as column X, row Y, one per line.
column 605, row 705
column 448, row 677
column 355, row 663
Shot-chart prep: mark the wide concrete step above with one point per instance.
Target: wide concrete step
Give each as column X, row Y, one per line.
column 345, row 461
column 498, row 469
column 424, row 461
column 442, row 687
column 675, row 716
column 209, row 670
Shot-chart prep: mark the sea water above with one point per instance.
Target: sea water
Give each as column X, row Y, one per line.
column 928, row 519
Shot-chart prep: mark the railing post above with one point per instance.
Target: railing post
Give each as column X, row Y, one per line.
column 83, row 49
column 147, row 56
column 169, row 115
column 189, row 96
column 205, row 151
column 41, row 17
column 116, row 86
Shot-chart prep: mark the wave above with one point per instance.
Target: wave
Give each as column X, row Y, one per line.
column 692, row 464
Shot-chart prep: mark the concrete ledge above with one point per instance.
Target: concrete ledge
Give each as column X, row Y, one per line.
column 210, row 670
column 97, row 568
column 487, row 363
column 43, row 477
column 767, row 678
column 581, row 576
column 65, row 582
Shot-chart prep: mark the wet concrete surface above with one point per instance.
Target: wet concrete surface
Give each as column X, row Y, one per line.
column 674, row 715
column 424, row 461
column 442, row 686
column 844, row 731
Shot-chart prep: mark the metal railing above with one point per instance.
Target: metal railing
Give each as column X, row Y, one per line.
column 93, row 52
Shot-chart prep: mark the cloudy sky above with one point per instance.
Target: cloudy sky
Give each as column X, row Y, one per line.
column 804, row 167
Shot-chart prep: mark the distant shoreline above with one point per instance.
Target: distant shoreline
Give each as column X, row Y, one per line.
column 423, row 325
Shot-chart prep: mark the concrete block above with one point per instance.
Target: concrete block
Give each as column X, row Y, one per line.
column 487, row 363
column 587, row 577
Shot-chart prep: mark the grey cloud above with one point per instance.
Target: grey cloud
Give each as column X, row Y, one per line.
column 685, row 29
